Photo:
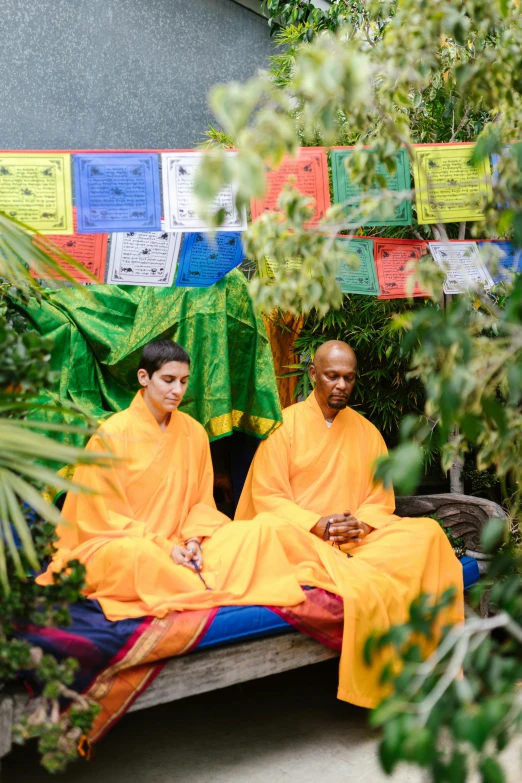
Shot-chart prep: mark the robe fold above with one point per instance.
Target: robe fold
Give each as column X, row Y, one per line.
column 305, row 471
column 156, row 495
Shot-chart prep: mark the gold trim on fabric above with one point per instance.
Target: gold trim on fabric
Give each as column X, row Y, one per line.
column 223, row 425
column 124, row 706
column 135, row 656
column 49, row 493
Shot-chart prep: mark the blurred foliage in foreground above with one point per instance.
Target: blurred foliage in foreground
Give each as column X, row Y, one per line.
column 28, row 461
column 388, row 75
column 453, row 712
column 27, row 542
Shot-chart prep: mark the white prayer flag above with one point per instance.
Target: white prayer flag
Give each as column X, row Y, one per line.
column 143, row 258
column 462, row 264
column 178, row 170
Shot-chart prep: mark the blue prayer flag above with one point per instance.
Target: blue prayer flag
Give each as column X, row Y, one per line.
column 203, row 260
column 509, row 258
column 117, row 192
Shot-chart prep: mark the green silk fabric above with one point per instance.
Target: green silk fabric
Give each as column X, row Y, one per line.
column 98, row 339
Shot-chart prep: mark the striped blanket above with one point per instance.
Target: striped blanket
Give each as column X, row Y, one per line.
column 119, row 660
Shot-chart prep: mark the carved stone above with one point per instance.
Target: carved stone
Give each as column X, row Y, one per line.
column 464, row 515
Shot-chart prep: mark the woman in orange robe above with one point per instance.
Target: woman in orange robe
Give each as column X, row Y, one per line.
column 314, row 478
column 150, row 535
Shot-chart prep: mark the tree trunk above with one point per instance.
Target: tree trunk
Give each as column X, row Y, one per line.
column 456, row 482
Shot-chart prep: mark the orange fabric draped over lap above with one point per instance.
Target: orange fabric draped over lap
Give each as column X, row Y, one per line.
column 158, row 494
column 306, row 470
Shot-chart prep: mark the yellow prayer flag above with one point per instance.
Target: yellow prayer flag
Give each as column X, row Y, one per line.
column 35, row 188
column 269, row 266
column 448, row 187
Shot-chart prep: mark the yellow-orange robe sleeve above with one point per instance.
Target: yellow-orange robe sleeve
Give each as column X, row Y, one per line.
column 203, row 518
column 379, row 503
column 268, row 484
column 106, row 513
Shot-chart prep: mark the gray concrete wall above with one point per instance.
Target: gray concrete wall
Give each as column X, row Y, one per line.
column 101, row 74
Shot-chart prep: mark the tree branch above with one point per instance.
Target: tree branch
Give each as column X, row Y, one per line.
column 443, row 234
column 460, row 125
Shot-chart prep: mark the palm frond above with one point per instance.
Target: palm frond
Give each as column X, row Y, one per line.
column 21, row 249
column 27, row 456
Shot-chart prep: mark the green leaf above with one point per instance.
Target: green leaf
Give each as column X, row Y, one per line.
column 471, row 426
column 493, row 534
column 401, row 468
column 491, row 771
column 418, row 746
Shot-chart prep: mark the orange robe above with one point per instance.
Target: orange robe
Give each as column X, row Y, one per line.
column 157, row 495
column 305, row 471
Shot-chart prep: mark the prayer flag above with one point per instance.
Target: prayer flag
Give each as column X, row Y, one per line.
column 143, row 259
column 35, row 188
column 362, row 278
column 90, row 250
column 268, row 266
column 462, row 264
column 346, row 191
column 118, row 192
column 448, row 187
column 502, row 254
column 309, row 171
column 178, row 170
column 204, row 261
column 393, row 260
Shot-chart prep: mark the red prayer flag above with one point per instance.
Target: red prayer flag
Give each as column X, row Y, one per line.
column 90, row 250
column 310, row 170
column 392, row 257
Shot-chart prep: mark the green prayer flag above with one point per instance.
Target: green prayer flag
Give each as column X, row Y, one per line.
column 347, row 191
column 362, row 278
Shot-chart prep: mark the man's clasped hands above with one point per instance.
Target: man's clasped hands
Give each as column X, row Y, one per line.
column 341, row 529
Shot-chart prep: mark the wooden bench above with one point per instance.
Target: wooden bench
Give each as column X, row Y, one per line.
column 209, row 670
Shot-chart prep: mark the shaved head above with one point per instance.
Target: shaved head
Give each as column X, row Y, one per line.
column 333, row 349
column 333, row 372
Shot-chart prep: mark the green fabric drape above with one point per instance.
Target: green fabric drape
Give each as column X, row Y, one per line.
column 98, row 340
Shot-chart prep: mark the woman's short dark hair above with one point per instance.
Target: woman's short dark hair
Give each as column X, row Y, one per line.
column 159, row 352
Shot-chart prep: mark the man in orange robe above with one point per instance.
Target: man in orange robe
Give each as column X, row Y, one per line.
column 314, row 477
column 150, row 536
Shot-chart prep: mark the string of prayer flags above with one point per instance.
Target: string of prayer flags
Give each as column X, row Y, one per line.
column 462, row 264
column 90, row 250
column 36, row 189
column 143, row 258
column 117, row 192
column 362, row 278
column 393, row 260
column 178, row 170
column 309, row 174
column 503, row 257
column 204, row 261
column 448, row 187
column 349, row 193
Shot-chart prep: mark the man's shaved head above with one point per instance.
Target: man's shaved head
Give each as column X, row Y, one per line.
column 333, row 349
column 333, row 372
